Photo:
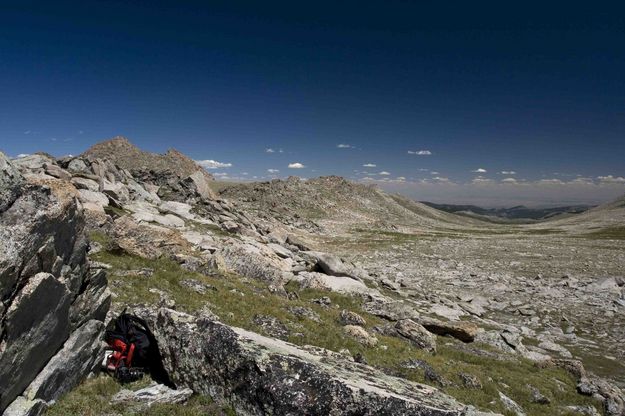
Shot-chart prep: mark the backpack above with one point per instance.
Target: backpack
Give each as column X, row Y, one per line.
column 134, row 350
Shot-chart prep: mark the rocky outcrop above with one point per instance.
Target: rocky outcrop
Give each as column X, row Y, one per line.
column 10, row 181
column 120, row 151
column 257, row 375
column 174, row 175
column 44, row 281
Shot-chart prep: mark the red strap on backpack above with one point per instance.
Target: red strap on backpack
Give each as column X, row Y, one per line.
column 121, row 352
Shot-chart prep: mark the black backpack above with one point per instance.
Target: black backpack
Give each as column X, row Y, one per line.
column 135, row 350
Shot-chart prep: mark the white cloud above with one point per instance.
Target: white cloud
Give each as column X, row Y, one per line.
column 420, row 152
column 509, row 180
column 384, row 173
column 439, row 179
column 27, row 132
column 434, row 173
column 344, row 146
column 21, row 155
column 400, row 178
column 369, row 165
column 273, row 170
column 611, row 179
column 220, row 174
column 296, row 165
column 507, row 172
column 479, row 170
column 269, row 150
column 212, row 164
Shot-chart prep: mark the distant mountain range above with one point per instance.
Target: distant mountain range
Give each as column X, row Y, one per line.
column 519, row 212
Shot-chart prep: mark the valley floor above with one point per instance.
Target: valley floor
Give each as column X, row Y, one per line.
column 556, row 288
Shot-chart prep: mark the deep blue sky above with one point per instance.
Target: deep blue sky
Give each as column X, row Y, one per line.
column 534, row 88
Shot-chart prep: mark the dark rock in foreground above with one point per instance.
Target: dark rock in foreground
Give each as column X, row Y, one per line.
column 257, row 375
column 51, row 305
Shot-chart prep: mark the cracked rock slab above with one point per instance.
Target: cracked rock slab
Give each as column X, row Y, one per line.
column 258, row 375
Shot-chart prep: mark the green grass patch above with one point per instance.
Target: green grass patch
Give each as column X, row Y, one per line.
column 92, row 398
column 611, row 233
column 209, row 229
column 115, row 212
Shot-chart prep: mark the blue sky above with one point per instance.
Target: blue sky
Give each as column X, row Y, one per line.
column 530, row 88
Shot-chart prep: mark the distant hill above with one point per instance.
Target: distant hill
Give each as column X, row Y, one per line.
column 337, row 203
column 519, row 212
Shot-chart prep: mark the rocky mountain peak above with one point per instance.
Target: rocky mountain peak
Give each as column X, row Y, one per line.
column 126, row 155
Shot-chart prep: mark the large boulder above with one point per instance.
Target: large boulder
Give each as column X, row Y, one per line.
column 333, row 265
column 257, row 375
column 416, row 334
column 254, row 260
column 462, row 330
column 199, row 182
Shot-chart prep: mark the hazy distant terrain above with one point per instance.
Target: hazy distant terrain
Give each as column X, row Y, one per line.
column 514, row 213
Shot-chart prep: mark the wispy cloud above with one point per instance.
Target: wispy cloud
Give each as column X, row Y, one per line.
column 344, row 146
column 481, row 180
column 273, row 170
column 212, row 164
column 27, row 132
column 296, row 165
column 21, row 155
column 384, row 173
column 479, row 170
column 509, row 180
column 369, row 165
column 272, row 150
column 507, row 172
column 420, row 152
column 551, row 181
